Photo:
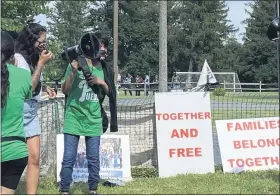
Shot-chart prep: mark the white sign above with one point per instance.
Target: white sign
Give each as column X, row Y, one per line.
column 249, row 144
column 184, row 133
column 114, row 158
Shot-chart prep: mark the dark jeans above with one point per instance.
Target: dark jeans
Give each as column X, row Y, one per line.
column 137, row 92
column 128, row 87
column 69, row 159
column 147, row 89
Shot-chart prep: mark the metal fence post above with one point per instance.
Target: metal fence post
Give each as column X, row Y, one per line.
column 260, row 87
column 234, row 83
column 145, row 89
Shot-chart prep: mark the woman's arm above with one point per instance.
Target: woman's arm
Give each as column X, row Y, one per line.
column 104, row 86
column 67, row 85
column 36, row 76
column 71, row 70
column 44, row 58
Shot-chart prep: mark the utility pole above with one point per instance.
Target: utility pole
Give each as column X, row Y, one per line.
column 163, row 46
column 116, row 38
column 278, row 47
column 273, row 33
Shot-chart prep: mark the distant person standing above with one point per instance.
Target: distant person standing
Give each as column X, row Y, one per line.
column 139, row 80
column 119, row 80
column 156, row 79
column 147, row 83
column 128, row 84
column 176, row 81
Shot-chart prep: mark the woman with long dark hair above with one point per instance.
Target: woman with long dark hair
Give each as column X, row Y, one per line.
column 15, row 88
column 31, row 54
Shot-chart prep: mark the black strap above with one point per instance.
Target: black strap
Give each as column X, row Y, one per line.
column 13, row 138
column 87, row 73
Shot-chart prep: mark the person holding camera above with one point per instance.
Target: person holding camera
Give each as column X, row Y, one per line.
column 84, row 114
column 31, row 55
column 15, row 88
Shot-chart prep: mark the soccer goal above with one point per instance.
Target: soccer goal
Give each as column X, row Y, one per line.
column 227, row 80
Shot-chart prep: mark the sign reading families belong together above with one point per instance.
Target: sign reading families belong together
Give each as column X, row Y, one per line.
column 249, row 144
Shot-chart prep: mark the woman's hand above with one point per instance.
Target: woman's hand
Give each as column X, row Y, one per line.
column 45, row 58
column 95, row 80
column 50, row 92
column 75, row 66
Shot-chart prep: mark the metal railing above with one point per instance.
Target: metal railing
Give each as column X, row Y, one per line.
column 232, row 87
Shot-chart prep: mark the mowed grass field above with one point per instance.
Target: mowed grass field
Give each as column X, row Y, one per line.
column 242, row 97
column 260, row 182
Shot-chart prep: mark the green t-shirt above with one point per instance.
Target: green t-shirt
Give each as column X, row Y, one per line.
column 12, row 113
column 82, row 112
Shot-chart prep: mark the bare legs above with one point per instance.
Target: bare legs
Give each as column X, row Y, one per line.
column 33, row 167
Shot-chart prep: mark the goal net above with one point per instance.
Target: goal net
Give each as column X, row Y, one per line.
column 227, row 80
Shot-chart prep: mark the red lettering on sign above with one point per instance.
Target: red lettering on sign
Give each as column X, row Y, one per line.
column 185, row 152
column 184, row 116
column 186, row 133
column 253, row 125
column 260, row 143
column 253, row 162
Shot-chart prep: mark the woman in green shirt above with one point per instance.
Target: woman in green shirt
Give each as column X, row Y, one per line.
column 15, row 88
column 83, row 118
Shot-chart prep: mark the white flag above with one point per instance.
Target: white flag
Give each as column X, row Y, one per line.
column 206, row 77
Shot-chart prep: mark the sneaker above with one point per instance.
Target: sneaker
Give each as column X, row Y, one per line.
column 64, row 192
column 93, row 192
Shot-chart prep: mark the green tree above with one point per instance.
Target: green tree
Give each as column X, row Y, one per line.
column 14, row 14
column 69, row 21
column 230, row 56
column 197, row 31
column 55, row 69
column 258, row 62
column 138, row 33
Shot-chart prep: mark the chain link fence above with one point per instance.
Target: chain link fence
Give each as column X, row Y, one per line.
column 136, row 118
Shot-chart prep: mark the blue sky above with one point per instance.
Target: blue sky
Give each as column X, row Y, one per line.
column 236, row 14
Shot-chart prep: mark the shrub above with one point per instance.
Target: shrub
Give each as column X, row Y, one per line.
column 219, row 92
column 138, row 172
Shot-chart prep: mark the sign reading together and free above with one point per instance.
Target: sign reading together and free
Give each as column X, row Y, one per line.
column 249, row 144
column 184, row 133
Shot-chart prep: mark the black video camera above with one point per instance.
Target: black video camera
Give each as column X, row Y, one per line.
column 88, row 46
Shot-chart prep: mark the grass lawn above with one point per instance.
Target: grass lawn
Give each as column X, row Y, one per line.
column 242, row 97
column 261, row 182
column 248, row 97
